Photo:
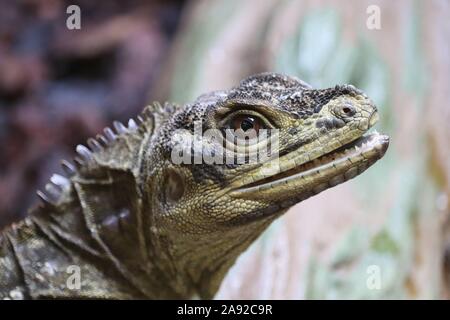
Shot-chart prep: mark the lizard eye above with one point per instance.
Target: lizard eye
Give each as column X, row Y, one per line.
column 244, row 126
column 246, row 123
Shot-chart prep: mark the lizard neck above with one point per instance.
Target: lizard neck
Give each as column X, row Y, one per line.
column 203, row 260
column 96, row 228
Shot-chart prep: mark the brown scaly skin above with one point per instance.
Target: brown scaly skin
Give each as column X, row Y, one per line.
column 140, row 226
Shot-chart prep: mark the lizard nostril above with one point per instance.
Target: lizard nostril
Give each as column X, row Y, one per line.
column 346, row 110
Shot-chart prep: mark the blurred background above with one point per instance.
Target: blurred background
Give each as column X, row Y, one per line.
column 385, row 234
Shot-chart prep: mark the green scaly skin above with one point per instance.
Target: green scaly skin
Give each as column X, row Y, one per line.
column 140, row 226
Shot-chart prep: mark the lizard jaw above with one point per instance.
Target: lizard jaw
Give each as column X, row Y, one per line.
column 321, row 173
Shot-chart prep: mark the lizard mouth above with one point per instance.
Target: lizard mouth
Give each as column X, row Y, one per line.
column 325, row 171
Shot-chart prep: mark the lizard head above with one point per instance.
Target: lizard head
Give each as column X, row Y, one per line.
column 233, row 161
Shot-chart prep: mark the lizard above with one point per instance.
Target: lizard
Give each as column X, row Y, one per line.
column 139, row 225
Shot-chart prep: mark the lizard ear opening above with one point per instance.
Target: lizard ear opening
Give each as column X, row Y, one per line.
column 174, row 185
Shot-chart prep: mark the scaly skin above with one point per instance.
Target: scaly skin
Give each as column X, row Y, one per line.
column 138, row 225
